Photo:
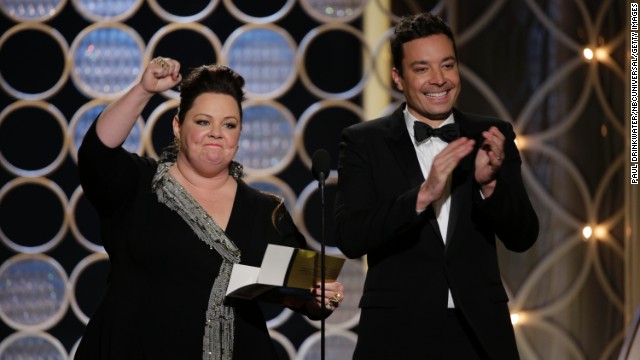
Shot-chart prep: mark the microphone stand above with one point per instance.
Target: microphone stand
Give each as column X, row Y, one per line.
column 320, row 167
column 321, row 181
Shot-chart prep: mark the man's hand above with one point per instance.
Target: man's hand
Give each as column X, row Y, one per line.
column 489, row 160
column 442, row 167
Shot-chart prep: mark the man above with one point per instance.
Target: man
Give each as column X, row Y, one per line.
column 426, row 210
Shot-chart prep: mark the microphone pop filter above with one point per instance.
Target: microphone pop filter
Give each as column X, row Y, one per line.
column 320, row 163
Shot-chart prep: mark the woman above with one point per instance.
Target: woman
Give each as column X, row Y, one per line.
column 173, row 228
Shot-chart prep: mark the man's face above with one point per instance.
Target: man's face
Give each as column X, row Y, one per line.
column 430, row 79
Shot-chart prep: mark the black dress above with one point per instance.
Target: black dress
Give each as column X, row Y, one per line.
column 161, row 273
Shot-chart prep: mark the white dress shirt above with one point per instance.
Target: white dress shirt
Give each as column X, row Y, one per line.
column 427, row 151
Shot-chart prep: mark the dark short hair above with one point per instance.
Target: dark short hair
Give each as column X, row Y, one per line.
column 217, row 79
column 415, row 27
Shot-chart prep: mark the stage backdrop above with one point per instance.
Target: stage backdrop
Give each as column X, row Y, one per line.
column 554, row 69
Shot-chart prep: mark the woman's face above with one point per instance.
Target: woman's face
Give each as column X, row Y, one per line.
column 209, row 133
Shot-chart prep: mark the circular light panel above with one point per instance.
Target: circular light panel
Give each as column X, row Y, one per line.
column 31, row 10
column 173, row 18
column 275, row 186
column 265, row 56
column 60, row 195
column 303, row 50
column 243, row 16
column 340, row 345
column 266, row 143
column 334, row 10
column 105, row 10
column 60, row 120
column 30, row 345
column 107, row 59
column 64, row 50
column 33, row 292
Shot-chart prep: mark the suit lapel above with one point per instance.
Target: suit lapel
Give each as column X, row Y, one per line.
column 400, row 145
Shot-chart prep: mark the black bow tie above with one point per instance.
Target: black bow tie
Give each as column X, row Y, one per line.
column 447, row 133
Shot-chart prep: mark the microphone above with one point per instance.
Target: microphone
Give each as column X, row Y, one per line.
column 320, row 166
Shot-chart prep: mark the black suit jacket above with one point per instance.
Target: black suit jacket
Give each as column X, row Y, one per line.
column 409, row 266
